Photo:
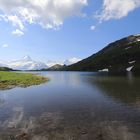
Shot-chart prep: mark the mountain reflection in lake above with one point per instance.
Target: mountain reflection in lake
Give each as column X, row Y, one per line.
column 73, row 106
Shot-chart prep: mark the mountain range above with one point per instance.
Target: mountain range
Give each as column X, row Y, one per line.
column 120, row 56
column 27, row 63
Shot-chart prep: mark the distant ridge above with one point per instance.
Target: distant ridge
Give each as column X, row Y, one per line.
column 55, row 67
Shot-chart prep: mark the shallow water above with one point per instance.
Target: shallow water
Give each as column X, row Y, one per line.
column 73, row 106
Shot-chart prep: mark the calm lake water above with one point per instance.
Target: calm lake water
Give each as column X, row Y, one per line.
column 73, row 106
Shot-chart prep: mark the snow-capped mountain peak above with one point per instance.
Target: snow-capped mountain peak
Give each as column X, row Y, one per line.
column 71, row 61
column 27, row 63
column 27, row 58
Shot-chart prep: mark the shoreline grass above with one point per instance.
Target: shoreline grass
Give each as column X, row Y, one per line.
column 14, row 79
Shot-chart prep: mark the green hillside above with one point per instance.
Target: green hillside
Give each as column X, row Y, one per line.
column 120, row 56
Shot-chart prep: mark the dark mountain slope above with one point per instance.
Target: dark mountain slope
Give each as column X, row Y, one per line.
column 118, row 56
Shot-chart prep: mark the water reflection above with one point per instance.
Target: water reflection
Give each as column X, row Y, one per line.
column 73, row 106
column 1, row 102
column 124, row 88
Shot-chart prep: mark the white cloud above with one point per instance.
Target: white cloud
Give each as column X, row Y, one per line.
column 93, row 27
column 5, row 46
column 46, row 13
column 18, row 32
column 117, row 9
column 16, row 21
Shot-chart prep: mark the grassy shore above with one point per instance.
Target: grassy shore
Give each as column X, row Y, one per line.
column 13, row 79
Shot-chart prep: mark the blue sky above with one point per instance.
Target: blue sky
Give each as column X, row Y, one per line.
column 43, row 40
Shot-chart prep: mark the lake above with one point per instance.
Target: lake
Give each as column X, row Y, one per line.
column 73, row 106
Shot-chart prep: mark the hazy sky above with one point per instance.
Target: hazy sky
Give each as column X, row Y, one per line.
column 63, row 29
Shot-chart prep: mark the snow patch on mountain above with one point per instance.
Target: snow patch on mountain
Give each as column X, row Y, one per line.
column 129, row 68
column 137, row 35
column 131, row 62
column 104, row 70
